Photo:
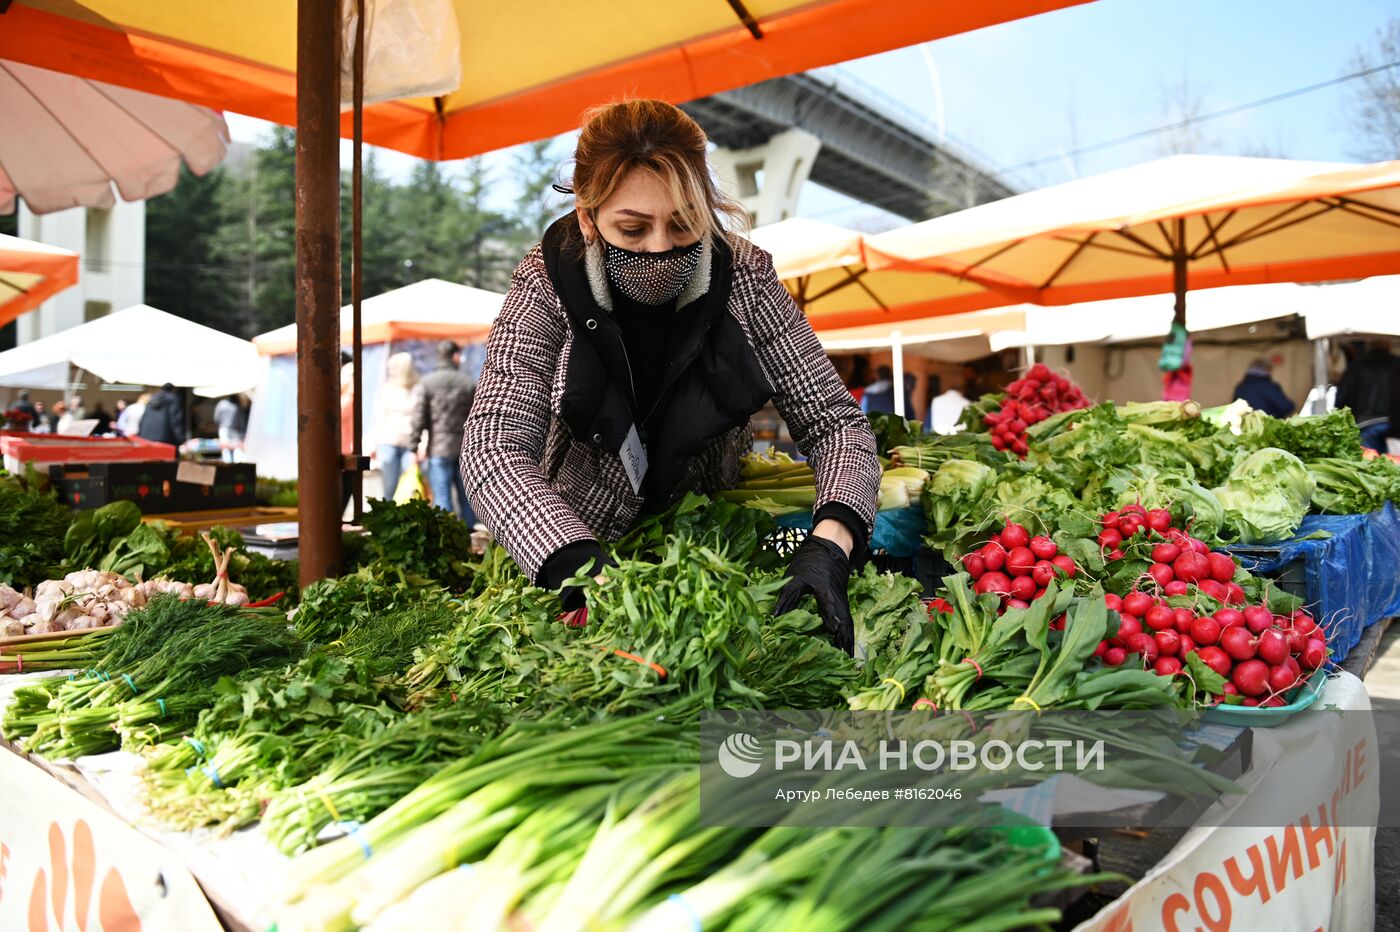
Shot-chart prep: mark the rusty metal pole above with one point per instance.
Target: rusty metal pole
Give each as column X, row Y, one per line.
column 1179, row 261
column 318, row 287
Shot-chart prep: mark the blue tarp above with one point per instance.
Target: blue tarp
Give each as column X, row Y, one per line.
column 1351, row 578
column 899, row 532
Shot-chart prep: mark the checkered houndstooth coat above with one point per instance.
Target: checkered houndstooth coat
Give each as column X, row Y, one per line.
column 538, row 488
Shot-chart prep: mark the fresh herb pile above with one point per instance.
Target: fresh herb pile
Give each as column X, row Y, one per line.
column 32, row 525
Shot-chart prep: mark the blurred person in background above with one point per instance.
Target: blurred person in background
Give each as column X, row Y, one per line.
column 231, row 419
column 394, row 442
column 129, row 420
column 442, row 401
column 879, row 394
column 104, row 420
column 62, row 420
column 26, row 407
column 163, row 419
column 44, row 420
column 945, row 410
column 1366, row 388
column 1262, row 392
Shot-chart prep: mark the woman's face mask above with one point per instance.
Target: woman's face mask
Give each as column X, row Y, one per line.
column 651, row 277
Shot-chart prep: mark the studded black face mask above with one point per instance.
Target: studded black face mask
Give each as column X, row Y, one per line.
column 651, row 277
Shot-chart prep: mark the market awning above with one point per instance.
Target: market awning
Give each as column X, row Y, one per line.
column 1365, row 308
column 526, row 71
column 31, row 273
column 430, row 309
column 1188, row 221
column 137, row 346
column 823, row 268
column 68, row 140
column 950, row 338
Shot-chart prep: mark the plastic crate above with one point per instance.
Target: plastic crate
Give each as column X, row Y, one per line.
column 20, row 448
column 158, row 488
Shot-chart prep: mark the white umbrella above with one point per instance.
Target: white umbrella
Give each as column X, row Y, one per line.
column 67, row 140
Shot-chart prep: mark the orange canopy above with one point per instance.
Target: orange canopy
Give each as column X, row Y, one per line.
column 30, row 274
column 1182, row 222
column 528, row 69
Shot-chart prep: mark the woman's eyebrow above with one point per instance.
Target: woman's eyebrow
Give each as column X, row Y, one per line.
column 635, row 213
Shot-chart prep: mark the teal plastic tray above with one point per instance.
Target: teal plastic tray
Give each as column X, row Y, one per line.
column 1242, row 716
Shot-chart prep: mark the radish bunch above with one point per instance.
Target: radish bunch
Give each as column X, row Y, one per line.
column 1178, row 560
column 1261, row 655
column 1016, row 566
column 1030, row 400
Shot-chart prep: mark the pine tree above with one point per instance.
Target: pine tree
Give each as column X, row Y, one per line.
column 186, row 272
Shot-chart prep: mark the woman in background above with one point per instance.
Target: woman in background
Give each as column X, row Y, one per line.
column 393, row 417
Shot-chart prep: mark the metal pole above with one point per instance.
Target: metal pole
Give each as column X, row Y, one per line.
column 897, row 358
column 356, row 258
column 1179, row 261
column 1321, row 350
column 318, row 286
column 1028, row 355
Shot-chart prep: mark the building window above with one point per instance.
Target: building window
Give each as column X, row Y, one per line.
column 98, row 225
column 95, row 309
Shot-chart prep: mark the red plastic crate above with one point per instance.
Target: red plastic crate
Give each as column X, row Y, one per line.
column 19, row 448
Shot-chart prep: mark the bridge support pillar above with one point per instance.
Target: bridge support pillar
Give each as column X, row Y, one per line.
column 767, row 179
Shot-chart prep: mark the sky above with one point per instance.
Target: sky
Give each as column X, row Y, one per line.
column 1039, row 88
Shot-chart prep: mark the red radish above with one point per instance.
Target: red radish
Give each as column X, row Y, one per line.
column 1187, row 645
column 1229, row 689
column 1291, row 663
column 1304, row 622
column 1065, row 564
column 1110, row 517
column 1216, row 590
column 1115, row 555
column 1137, row 603
column 1023, row 587
column 1159, row 618
column 998, row 583
column 1234, row 594
column 1165, row 553
column 1043, row 547
column 1101, row 649
column 1237, row 642
column 1191, row 567
column 1251, row 677
column 1017, row 603
column 1115, row 656
column 1167, row 666
column 1257, row 617
column 1159, row 519
column 1297, row 640
column 1127, row 627
column 974, row 565
column 998, row 442
column 1258, row 622
column 1314, row 655
column 1137, row 510
column 1040, row 592
column 1168, row 642
column 1222, row 568
column 1281, row 679
column 1251, row 702
column 1205, row 630
column 993, row 556
column 1109, row 538
column 1161, row 573
column 1015, row 535
column 1182, row 618
column 1043, row 573
column 1216, row 659
column 1040, row 372
column 1113, row 602
column 1273, row 702
column 1018, row 426
column 1145, row 645
column 1197, row 546
column 1175, row 587
column 1229, row 617
column 1272, row 647
column 1019, row 561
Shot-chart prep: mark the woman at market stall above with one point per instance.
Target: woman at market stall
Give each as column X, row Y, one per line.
column 635, row 343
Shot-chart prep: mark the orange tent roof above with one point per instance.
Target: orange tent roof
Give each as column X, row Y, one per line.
column 30, row 274
column 528, row 70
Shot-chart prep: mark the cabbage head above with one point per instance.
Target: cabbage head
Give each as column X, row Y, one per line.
column 955, row 489
column 1266, row 496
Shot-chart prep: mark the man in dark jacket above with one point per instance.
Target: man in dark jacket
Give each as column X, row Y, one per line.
column 26, row 407
column 443, row 400
column 1366, row 389
column 164, row 420
column 1262, row 392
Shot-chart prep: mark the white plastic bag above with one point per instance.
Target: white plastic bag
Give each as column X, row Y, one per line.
column 412, row 49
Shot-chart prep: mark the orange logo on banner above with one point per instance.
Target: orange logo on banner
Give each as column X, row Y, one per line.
column 48, row 901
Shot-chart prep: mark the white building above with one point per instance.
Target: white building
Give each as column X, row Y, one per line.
column 112, row 244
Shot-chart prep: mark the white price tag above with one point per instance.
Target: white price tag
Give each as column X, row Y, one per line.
column 634, row 459
column 196, row 473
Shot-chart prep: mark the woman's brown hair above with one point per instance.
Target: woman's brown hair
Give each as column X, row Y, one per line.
column 657, row 137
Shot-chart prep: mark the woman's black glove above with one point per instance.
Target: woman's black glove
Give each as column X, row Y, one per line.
column 823, row 569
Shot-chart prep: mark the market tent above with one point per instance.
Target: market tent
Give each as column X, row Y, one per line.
column 1149, row 317
column 67, row 140
column 1188, row 221
column 31, row 273
column 1366, row 308
column 518, row 81
column 137, row 346
column 950, row 338
column 822, row 266
column 425, row 310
